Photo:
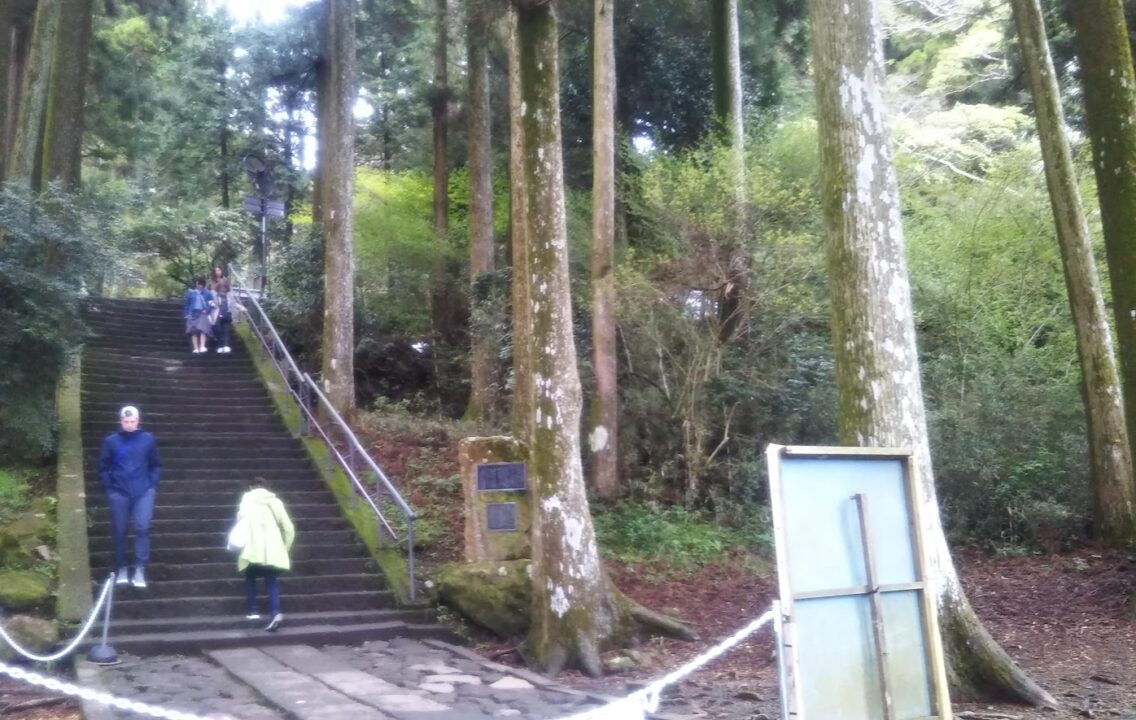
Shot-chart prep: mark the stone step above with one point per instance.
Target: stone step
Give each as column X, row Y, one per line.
column 202, row 405
column 233, row 585
column 173, row 449
column 161, row 572
column 251, row 467
column 210, row 515
column 181, row 493
column 132, row 603
column 170, row 522
column 212, row 551
column 173, row 390
column 294, row 619
column 299, row 477
column 205, row 539
column 288, row 634
column 158, row 365
column 207, row 437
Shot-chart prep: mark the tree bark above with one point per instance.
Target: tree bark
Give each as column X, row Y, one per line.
column 25, row 161
column 879, row 390
column 603, row 422
column 1109, row 84
column 1109, row 449
column 726, row 67
column 574, row 613
column 442, row 295
column 519, row 244
column 483, row 347
column 338, row 183
column 63, row 129
column 7, row 66
column 323, row 129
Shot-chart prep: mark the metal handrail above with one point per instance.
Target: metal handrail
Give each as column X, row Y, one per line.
column 308, row 390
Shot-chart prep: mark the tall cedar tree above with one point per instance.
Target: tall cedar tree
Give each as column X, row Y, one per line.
column 725, row 39
column 521, row 416
column 1109, row 450
column 604, row 412
column 574, row 609
column 483, row 350
column 63, row 129
column 1109, row 85
column 879, row 390
column 25, row 160
column 337, row 186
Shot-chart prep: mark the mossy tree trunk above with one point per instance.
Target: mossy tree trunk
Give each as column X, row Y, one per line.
column 337, row 184
column 603, row 423
column 63, row 128
column 443, row 292
column 1109, row 449
column 1109, row 85
column 25, row 160
column 483, row 348
column 879, row 390
column 574, row 610
column 519, row 245
column 7, row 66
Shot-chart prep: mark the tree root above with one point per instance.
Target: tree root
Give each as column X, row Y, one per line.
column 651, row 621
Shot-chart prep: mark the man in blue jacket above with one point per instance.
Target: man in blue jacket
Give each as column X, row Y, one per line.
column 129, row 470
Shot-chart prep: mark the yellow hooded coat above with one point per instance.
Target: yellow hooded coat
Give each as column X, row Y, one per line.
column 270, row 531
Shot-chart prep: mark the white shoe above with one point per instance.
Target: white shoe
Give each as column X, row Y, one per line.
column 252, row 616
column 275, row 622
column 139, row 579
column 226, row 349
column 122, row 577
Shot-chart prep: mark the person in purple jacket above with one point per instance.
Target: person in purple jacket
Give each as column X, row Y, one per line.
column 129, row 469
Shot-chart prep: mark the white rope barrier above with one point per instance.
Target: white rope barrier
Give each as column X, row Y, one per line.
column 74, row 643
column 636, row 705
column 73, row 690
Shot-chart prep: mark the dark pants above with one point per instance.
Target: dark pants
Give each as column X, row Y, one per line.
column 252, row 572
column 139, row 510
column 222, row 330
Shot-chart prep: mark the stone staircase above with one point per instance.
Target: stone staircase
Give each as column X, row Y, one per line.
column 217, row 428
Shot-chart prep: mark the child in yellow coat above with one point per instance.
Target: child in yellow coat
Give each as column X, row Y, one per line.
column 265, row 553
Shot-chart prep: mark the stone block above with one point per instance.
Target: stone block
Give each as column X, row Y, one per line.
column 490, row 475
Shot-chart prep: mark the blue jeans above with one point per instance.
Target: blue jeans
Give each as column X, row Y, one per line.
column 140, row 510
column 252, row 572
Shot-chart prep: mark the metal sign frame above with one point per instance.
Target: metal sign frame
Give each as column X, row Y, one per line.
column 793, row 704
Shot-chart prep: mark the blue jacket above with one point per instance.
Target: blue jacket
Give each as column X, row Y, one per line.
column 187, row 306
column 129, row 463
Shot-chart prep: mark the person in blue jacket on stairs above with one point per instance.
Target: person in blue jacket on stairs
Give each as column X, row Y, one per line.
column 129, row 470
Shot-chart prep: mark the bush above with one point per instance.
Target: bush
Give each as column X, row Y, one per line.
column 635, row 532
column 50, row 249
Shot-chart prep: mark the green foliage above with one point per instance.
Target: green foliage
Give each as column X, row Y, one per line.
column 637, row 532
column 186, row 242
column 999, row 357
column 13, row 492
column 48, row 251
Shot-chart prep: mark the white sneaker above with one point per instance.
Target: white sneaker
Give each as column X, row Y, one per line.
column 139, row 579
column 226, row 349
column 275, row 623
column 122, row 576
column 252, row 616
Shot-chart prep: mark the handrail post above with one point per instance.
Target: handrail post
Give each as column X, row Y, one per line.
column 410, row 555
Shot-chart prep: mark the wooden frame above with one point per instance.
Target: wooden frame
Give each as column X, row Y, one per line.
column 792, row 701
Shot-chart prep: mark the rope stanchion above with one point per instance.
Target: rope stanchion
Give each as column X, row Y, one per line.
column 636, row 705
column 74, row 643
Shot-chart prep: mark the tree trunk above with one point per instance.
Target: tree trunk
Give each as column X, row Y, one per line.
column 1109, row 84
column 338, row 183
column 604, row 413
column 877, row 371
column 223, row 159
column 522, row 311
column 728, row 104
column 25, row 160
column 1109, row 450
column 323, row 128
column 574, row 611
column 482, row 365
column 7, row 65
column 63, row 130
column 442, row 296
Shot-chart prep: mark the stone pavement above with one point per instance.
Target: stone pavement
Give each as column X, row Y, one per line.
column 400, row 679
